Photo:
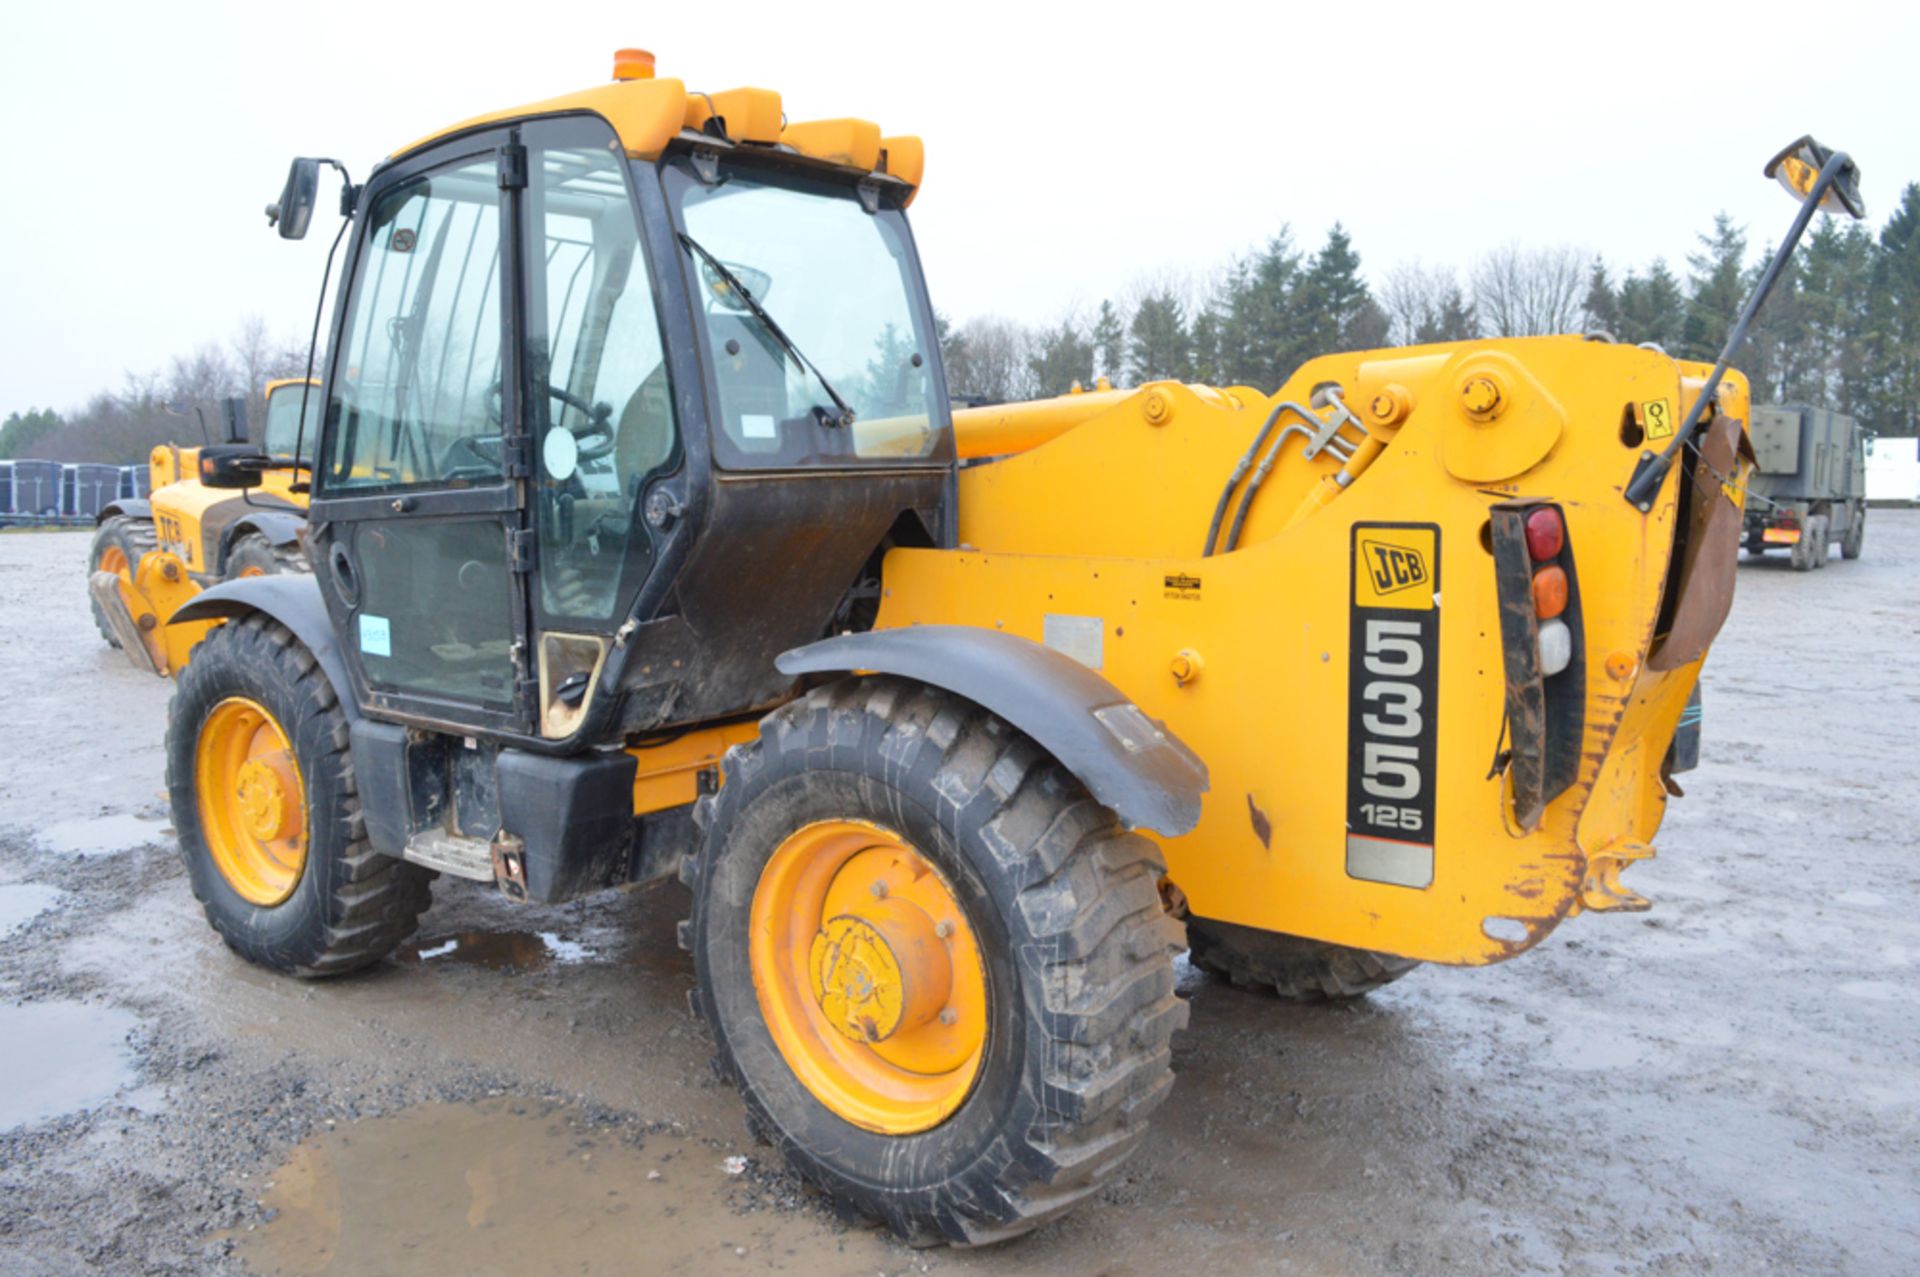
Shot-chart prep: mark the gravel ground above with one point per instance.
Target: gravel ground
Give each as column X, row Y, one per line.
column 1729, row 1084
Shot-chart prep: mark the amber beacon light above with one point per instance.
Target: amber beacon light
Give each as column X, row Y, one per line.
column 632, row 64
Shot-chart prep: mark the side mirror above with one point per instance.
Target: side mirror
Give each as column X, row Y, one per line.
column 294, row 209
column 1797, row 169
column 232, row 465
column 233, row 419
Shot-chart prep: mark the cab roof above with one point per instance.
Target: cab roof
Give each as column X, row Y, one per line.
column 647, row 114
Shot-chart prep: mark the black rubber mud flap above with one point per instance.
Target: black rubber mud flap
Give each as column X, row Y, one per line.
column 1131, row 763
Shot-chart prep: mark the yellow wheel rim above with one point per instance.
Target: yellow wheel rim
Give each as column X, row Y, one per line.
column 253, row 804
column 869, row 976
column 113, row 559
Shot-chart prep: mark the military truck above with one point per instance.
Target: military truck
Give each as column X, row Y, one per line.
column 1809, row 486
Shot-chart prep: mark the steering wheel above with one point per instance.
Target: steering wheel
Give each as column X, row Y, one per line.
column 595, row 435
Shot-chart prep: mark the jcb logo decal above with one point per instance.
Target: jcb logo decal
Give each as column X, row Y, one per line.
column 1394, row 568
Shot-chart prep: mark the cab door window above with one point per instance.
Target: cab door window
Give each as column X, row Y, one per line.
column 598, row 396
column 416, row 386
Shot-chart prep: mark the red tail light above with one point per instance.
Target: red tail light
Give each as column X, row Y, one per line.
column 1546, row 534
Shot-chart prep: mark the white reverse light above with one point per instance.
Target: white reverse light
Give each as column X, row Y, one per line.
column 1556, row 647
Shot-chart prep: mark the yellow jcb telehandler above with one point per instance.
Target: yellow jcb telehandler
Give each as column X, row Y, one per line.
column 642, row 547
column 151, row 554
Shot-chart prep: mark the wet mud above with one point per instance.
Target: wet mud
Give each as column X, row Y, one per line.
column 1728, row 1084
column 506, row 1185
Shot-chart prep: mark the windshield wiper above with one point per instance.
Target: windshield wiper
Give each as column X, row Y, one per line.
column 772, row 326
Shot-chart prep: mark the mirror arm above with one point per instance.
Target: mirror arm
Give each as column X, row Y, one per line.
column 1652, row 469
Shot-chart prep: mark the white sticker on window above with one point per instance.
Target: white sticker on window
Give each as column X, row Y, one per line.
column 376, row 636
column 1075, row 636
column 755, row 425
column 561, row 453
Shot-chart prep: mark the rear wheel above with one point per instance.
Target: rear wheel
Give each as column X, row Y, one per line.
column 268, row 813
column 938, row 971
column 1811, row 536
column 1856, row 537
column 1292, row 968
column 118, row 546
column 254, row 555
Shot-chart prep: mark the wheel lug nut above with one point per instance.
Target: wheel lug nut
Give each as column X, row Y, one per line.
column 943, row 929
column 949, row 1017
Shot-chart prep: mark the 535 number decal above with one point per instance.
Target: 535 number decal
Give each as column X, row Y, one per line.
column 1392, row 698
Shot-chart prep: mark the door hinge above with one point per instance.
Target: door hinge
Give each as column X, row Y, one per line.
column 513, row 167
column 516, row 461
column 520, row 549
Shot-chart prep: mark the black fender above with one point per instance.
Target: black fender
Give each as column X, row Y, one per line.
column 292, row 600
column 277, row 526
column 132, row 507
column 1130, row 762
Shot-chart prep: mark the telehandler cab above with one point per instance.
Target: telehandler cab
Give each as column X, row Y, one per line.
column 642, row 546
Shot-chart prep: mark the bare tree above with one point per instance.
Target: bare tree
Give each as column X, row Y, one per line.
column 1530, row 292
column 987, row 358
column 1411, row 295
column 253, row 352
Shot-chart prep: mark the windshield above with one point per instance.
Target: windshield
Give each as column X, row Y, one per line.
column 283, row 419
column 842, row 288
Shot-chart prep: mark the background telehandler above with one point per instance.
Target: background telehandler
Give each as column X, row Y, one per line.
column 641, row 545
column 151, row 554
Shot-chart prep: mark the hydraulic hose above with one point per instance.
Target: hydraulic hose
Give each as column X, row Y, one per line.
column 1259, row 477
column 1239, row 473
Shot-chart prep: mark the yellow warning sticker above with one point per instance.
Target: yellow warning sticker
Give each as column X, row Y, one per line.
column 1659, row 418
column 1393, row 567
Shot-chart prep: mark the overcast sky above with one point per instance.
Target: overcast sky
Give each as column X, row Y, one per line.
column 1070, row 149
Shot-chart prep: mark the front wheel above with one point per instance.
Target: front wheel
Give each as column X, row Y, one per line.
column 118, row 546
column 268, row 812
column 1292, row 968
column 938, row 971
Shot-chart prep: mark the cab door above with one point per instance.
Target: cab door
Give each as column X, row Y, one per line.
column 600, row 407
column 421, row 543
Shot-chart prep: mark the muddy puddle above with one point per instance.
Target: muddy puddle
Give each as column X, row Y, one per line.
column 62, row 1057
column 519, row 1186
column 505, row 951
column 22, row 902
column 104, row 835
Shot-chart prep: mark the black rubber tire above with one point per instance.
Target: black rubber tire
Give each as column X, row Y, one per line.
column 1822, row 551
column 1291, row 968
column 1066, row 905
column 352, row 905
column 1856, row 539
column 135, row 539
column 252, row 550
column 1802, row 554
